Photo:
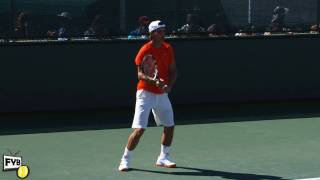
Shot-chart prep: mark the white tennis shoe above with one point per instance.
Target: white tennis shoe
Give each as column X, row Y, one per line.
column 124, row 165
column 164, row 161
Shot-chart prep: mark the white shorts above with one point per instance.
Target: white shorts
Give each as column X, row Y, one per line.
column 160, row 106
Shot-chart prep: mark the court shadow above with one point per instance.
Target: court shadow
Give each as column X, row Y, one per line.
column 188, row 171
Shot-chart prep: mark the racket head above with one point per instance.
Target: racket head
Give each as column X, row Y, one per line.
column 149, row 66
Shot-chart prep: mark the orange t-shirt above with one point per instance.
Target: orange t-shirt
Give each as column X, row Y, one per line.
column 164, row 56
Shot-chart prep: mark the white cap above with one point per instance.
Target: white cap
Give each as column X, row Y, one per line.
column 154, row 25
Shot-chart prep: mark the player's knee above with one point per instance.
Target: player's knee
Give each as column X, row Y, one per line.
column 139, row 132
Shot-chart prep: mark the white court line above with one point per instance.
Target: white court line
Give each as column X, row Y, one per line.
column 317, row 178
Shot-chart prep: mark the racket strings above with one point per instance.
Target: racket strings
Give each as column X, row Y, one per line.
column 149, row 65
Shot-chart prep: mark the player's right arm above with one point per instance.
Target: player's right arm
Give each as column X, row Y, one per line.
column 150, row 80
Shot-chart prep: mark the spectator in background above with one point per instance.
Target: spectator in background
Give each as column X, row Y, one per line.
column 23, row 25
column 142, row 30
column 314, row 29
column 278, row 19
column 109, row 9
column 98, row 28
column 65, row 28
column 213, row 30
column 220, row 25
column 192, row 26
column 248, row 30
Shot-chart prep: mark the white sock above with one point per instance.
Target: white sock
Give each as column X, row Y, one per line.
column 164, row 150
column 127, row 154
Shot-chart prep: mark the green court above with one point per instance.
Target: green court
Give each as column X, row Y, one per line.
column 284, row 148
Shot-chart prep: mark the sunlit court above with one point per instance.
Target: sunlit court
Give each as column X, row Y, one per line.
column 159, row 89
column 270, row 145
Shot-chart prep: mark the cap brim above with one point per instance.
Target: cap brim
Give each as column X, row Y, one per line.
column 159, row 27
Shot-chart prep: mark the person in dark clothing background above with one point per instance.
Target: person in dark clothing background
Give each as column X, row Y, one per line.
column 23, row 27
column 278, row 18
column 220, row 25
column 143, row 27
column 192, row 26
column 98, row 28
column 65, row 28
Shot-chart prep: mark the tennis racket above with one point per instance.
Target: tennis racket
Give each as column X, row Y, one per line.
column 150, row 67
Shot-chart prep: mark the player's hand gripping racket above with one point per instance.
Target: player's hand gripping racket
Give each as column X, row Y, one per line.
column 150, row 68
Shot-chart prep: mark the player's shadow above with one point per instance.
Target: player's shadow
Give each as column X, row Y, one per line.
column 206, row 172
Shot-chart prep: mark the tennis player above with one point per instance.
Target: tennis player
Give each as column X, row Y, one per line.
column 152, row 94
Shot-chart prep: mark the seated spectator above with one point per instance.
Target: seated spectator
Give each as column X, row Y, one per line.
column 192, row 26
column 65, row 28
column 278, row 18
column 217, row 30
column 220, row 25
column 23, row 26
column 241, row 33
column 214, row 31
column 98, row 28
column 142, row 30
column 314, row 29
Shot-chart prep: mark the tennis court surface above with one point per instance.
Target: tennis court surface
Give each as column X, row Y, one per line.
column 286, row 147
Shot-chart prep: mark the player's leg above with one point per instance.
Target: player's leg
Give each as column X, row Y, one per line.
column 143, row 107
column 163, row 114
column 133, row 141
column 166, row 140
column 134, row 138
column 167, row 136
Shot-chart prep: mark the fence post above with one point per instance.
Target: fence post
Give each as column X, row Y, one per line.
column 249, row 12
column 123, row 15
column 12, row 15
column 318, row 14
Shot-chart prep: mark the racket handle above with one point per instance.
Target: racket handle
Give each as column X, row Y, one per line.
column 164, row 86
column 158, row 82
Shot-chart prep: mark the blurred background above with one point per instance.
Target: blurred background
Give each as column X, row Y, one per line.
column 30, row 19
